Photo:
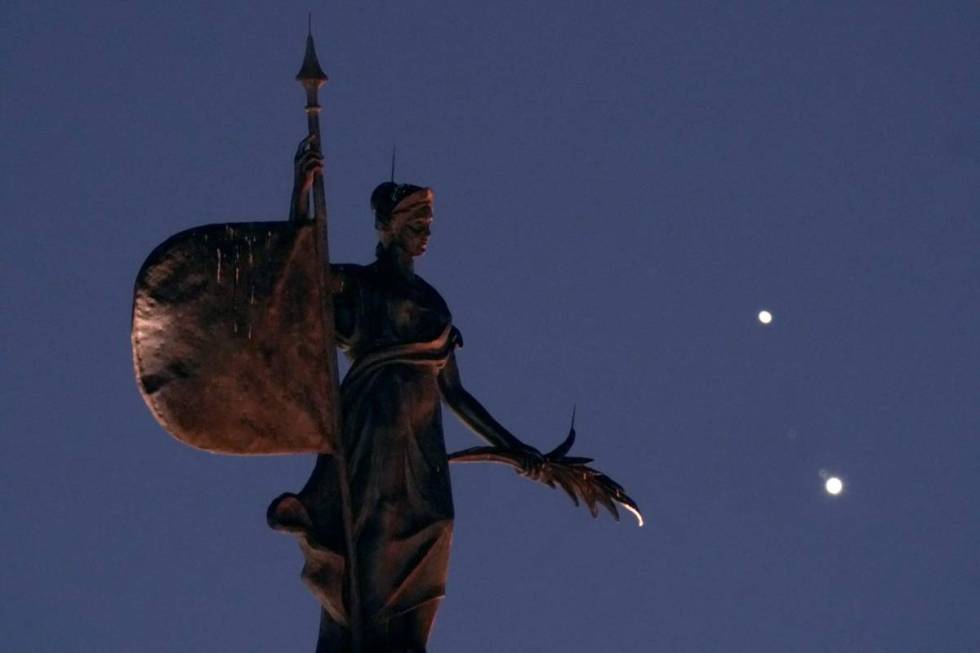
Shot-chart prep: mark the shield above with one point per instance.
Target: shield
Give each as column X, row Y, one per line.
column 233, row 339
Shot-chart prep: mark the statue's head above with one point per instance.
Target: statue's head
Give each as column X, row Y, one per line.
column 403, row 216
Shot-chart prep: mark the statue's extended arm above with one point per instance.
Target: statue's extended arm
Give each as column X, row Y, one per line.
column 474, row 415
column 555, row 468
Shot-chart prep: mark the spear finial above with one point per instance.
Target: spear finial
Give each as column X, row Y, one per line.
column 310, row 72
column 394, row 149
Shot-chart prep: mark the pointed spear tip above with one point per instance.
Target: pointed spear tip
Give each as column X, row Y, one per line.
column 310, row 70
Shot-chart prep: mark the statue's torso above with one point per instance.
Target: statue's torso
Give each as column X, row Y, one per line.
column 377, row 308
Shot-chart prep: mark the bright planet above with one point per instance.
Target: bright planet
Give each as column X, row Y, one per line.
column 834, row 486
column 765, row 317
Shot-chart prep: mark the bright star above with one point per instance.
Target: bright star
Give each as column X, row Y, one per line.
column 765, row 317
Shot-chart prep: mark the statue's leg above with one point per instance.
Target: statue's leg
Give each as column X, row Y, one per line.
column 333, row 638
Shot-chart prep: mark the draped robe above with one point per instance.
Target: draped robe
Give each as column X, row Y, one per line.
column 398, row 333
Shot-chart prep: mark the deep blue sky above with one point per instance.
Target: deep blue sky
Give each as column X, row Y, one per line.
column 620, row 187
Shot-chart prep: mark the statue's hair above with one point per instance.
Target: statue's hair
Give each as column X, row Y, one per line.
column 386, row 197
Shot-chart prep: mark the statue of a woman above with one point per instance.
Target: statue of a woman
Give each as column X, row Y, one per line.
column 398, row 333
column 228, row 333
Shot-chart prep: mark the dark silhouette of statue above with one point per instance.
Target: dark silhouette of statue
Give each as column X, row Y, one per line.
column 234, row 332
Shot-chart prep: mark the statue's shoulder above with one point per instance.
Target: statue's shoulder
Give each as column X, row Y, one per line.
column 432, row 292
column 425, row 284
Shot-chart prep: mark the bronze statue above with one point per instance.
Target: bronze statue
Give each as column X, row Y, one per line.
column 234, row 331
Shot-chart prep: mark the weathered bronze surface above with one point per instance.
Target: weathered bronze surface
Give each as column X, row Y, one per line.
column 228, row 342
column 234, row 333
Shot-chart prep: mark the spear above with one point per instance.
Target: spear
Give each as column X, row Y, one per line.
column 312, row 77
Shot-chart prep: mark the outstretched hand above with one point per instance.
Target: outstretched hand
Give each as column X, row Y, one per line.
column 556, row 468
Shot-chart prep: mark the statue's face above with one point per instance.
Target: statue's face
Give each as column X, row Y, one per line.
column 412, row 232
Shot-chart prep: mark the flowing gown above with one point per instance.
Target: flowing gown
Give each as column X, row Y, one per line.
column 398, row 333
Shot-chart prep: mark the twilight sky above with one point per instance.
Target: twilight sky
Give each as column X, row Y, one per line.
column 620, row 188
